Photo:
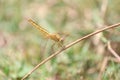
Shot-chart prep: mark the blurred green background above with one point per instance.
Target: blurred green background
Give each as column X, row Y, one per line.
column 22, row 47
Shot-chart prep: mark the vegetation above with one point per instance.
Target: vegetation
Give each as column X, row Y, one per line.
column 22, row 47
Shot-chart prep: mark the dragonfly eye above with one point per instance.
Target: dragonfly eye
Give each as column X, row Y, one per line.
column 61, row 40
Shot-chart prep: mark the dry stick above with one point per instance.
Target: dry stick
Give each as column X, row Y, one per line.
column 103, row 11
column 114, row 59
column 67, row 46
column 113, row 52
column 104, row 7
column 103, row 67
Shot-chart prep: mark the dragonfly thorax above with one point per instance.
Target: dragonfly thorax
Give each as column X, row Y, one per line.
column 55, row 37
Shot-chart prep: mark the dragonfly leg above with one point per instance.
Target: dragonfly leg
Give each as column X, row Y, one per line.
column 53, row 47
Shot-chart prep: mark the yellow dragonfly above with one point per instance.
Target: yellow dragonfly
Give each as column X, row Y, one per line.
column 53, row 36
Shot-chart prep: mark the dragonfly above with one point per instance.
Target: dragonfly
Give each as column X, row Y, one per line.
column 53, row 36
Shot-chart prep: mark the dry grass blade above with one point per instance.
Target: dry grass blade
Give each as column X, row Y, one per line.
column 114, row 59
column 113, row 52
column 103, row 67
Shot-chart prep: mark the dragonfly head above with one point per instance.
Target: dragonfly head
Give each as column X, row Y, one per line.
column 61, row 40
